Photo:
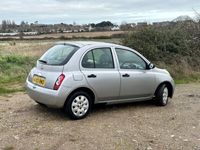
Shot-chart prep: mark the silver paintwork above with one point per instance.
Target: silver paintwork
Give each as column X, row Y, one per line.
column 108, row 86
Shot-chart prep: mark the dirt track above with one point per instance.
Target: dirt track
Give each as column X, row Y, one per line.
column 140, row 126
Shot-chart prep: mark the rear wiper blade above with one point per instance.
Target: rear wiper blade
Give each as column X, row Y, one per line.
column 43, row 61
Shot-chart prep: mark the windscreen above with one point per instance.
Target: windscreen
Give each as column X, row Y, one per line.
column 58, row 54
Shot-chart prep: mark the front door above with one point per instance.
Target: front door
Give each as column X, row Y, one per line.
column 136, row 80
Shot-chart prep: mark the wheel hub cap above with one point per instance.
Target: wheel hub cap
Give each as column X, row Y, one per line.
column 165, row 95
column 80, row 106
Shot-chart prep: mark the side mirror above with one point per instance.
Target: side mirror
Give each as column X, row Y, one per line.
column 151, row 66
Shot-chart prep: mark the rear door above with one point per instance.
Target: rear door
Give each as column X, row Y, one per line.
column 101, row 73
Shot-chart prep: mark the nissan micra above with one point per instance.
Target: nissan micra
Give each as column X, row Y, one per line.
column 77, row 75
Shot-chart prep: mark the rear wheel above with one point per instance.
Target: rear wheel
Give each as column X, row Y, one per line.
column 162, row 95
column 78, row 105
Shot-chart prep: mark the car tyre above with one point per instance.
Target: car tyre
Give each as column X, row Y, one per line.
column 162, row 95
column 78, row 105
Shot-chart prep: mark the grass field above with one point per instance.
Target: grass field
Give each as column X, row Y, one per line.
column 16, row 60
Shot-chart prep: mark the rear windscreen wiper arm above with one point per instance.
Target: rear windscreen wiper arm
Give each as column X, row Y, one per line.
column 43, row 61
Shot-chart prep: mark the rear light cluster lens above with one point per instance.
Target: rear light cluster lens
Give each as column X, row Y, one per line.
column 59, row 82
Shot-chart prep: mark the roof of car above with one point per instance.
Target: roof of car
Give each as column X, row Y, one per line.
column 85, row 43
column 93, row 43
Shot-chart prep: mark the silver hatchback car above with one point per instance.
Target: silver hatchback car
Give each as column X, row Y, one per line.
column 76, row 75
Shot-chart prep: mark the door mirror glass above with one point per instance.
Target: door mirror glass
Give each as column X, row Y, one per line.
column 151, row 66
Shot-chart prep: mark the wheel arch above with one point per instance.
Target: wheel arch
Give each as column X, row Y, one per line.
column 84, row 89
column 169, row 86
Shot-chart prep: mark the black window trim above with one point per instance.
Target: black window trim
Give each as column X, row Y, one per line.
column 135, row 54
column 92, row 58
column 91, row 50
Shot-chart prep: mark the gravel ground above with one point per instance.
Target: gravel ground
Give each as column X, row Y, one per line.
column 141, row 126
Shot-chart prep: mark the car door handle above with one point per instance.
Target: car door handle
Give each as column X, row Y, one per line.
column 126, row 75
column 92, row 76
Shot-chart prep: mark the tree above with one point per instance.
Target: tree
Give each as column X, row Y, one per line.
column 4, row 26
column 13, row 25
column 23, row 23
column 104, row 24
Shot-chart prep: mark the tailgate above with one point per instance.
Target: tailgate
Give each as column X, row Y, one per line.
column 45, row 75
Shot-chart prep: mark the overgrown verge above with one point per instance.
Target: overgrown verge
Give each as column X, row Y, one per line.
column 175, row 47
column 13, row 72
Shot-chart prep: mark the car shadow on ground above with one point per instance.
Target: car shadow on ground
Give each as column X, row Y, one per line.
column 59, row 114
column 49, row 113
column 111, row 107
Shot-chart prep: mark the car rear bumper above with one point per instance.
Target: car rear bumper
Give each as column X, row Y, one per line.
column 51, row 98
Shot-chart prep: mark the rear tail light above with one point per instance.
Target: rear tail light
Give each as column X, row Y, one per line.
column 59, row 82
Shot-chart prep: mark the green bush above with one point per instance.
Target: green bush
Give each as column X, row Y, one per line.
column 13, row 72
column 175, row 47
column 15, row 68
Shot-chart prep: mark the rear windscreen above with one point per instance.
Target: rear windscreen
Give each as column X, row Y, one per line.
column 58, row 54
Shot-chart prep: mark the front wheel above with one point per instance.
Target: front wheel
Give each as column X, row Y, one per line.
column 162, row 95
column 78, row 105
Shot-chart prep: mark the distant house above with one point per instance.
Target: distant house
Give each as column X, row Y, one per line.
column 30, row 33
column 75, row 31
column 82, row 30
column 156, row 24
column 161, row 24
column 67, row 31
column 115, row 28
column 8, row 34
column 90, row 28
column 133, row 25
column 142, row 24
column 127, row 26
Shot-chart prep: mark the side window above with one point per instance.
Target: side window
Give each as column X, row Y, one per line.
column 98, row 58
column 129, row 60
column 103, row 58
column 88, row 60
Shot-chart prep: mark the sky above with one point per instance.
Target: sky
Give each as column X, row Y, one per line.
column 89, row 11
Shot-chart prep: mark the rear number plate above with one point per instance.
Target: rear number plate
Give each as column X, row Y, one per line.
column 41, row 81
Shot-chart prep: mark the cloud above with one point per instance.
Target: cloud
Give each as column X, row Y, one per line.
column 56, row 11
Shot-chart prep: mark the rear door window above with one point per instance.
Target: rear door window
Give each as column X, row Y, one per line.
column 98, row 58
column 58, row 54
